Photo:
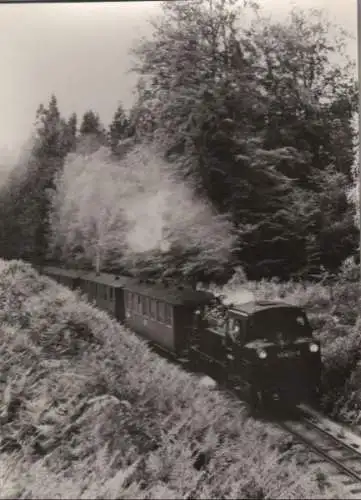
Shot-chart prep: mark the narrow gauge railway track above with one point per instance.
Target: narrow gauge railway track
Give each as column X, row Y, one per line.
column 335, row 445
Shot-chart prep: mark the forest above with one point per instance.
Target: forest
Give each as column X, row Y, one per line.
column 235, row 167
column 238, row 152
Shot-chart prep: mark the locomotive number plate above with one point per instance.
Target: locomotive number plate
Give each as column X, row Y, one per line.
column 288, row 354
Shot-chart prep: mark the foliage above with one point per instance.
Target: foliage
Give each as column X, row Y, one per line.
column 119, row 129
column 313, row 98
column 24, row 198
column 71, row 133
column 84, row 403
column 261, row 118
column 50, row 131
column 92, row 134
column 91, row 124
column 313, row 101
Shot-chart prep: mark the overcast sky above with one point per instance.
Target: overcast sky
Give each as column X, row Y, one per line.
column 80, row 53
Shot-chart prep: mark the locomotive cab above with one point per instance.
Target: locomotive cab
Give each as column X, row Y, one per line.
column 272, row 353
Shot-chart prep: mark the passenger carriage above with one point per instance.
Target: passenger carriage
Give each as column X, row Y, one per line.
column 106, row 290
column 67, row 277
column 163, row 315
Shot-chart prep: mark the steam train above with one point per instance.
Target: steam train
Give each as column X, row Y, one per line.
column 265, row 350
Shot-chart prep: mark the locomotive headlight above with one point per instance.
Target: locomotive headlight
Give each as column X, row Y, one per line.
column 313, row 348
column 262, row 354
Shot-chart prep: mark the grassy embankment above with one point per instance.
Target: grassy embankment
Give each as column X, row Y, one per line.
column 87, row 411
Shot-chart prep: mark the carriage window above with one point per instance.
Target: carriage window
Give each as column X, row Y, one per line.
column 139, row 304
column 168, row 314
column 134, row 301
column 153, row 308
column 129, row 300
column 111, row 293
column 160, row 311
column 144, row 306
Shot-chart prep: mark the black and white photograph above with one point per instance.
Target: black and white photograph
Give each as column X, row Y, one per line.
column 180, row 285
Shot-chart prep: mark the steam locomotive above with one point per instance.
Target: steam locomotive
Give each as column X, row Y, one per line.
column 263, row 349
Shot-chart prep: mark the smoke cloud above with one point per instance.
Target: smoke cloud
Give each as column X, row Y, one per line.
column 133, row 208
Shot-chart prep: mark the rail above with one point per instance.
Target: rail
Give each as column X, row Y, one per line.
column 335, row 444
